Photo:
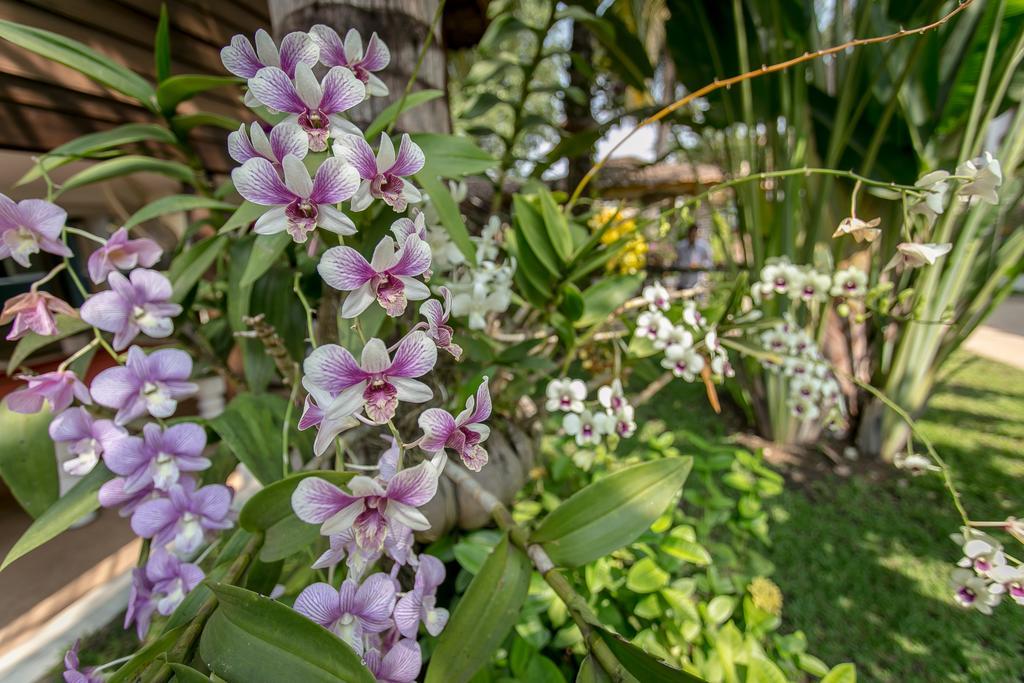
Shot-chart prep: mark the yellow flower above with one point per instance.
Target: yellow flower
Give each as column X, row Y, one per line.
column 766, row 595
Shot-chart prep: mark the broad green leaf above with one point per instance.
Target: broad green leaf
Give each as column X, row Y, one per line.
column 487, row 612
column 189, row 266
column 602, row 298
column 391, row 112
column 255, row 639
column 646, row 576
column 28, row 463
column 186, row 674
column 187, row 122
column 591, row 672
column 611, row 512
column 720, row 608
column 272, row 503
column 162, row 46
column 503, row 26
column 642, row 666
column 530, row 269
column 127, row 165
column 482, row 104
column 69, row 508
column 32, row 342
column 176, row 89
column 130, row 670
column 287, row 537
column 763, row 671
column 243, row 215
column 453, row 156
column 628, row 55
column 251, row 427
column 557, row 226
column 81, row 58
column 87, row 145
column 531, row 224
column 447, row 209
column 687, row 551
column 176, row 203
column 265, row 252
column 841, row 673
column 571, row 305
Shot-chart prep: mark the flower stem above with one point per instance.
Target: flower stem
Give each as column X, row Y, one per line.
column 77, row 354
column 84, row 233
column 305, row 306
column 49, row 276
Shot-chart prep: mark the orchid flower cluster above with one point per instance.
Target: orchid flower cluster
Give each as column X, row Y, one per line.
column 985, row 574
column 157, row 466
column 806, row 284
column 480, row 290
column 370, row 520
column 814, row 392
column 690, row 345
column 589, row 426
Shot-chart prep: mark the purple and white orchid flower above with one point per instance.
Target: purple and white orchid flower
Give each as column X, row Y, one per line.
column 33, row 312
column 113, row 495
column 353, row 609
column 315, row 105
column 185, row 516
column 384, row 175
column 403, row 228
column 301, row 204
column 58, row 388
column 401, row 664
column 389, row 277
column 351, row 55
column 133, row 304
column 376, row 383
column 284, row 139
column 419, row 604
column 438, row 328
column 72, row 674
column 372, row 506
column 464, row 433
column 170, row 579
column 89, row 439
column 152, row 384
column 28, row 226
column 159, row 457
column 243, row 61
column 121, row 253
column 140, row 603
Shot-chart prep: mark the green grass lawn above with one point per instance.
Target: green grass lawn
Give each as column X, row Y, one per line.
column 864, row 566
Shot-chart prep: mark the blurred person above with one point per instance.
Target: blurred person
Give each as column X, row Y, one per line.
column 693, row 257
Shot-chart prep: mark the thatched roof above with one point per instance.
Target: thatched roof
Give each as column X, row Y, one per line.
column 630, row 178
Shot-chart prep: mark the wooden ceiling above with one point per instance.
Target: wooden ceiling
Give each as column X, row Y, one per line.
column 43, row 104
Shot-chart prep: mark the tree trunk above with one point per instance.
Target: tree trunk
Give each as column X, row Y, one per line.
column 403, row 25
column 578, row 116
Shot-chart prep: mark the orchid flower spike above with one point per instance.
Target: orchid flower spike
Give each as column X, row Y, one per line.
column 315, row 105
column 243, row 61
column 389, row 277
column 301, row 204
column 352, row 56
column 383, row 176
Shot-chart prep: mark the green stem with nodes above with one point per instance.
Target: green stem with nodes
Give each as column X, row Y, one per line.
column 434, row 24
column 306, row 307
column 285, row 431
column 106, row 347
column 579, row 609
column 49, row 276
column 84, row 233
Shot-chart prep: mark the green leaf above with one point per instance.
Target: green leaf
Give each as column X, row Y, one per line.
column 453, row 156
column 591, row 672
column 87, row 145
column 189, row 266
column 265, row 252
column 177, row 89
column 162, row 46
column 603, row 297
column 251, row 427
column 571, row 305
column 628, row 55
column 503, row 26
column 841, row 673
column 176, row 203
column 487, row 612
column 531, row 224
column 69, row 508
column 186, row 674
column 611, row 512
column 126, row 165
column 255, row 639
column 273, row 502
column 243, row 215
column 28, row 464
column 81, row 58
column 557, row 226
column 482, row 104
column 720, row 609
column 764, row 671
column 687, row 551
column 646, row 576
column 32, row 342
column 186, row 122
column 642, row 666
column 447, row 209
column 391, row 112
column 130, row 670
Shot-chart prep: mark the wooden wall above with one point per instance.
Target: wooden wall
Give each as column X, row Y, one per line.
column 43, row 104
